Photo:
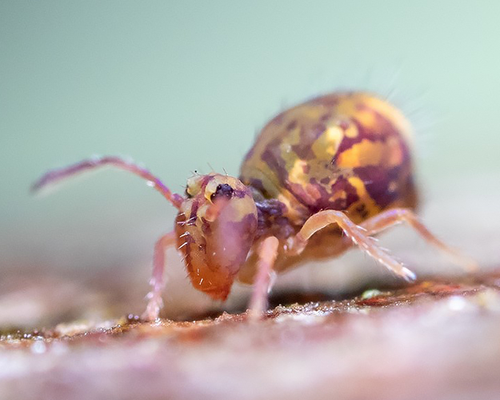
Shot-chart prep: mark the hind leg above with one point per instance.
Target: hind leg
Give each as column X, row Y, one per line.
column 357, row 235
column 390, row 218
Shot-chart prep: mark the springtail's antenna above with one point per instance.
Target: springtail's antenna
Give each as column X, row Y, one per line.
column 60, row 174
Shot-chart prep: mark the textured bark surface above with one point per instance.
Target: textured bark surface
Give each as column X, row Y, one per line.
column 435, row 339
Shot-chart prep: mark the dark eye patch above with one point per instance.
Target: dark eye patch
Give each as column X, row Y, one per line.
column 223, row 190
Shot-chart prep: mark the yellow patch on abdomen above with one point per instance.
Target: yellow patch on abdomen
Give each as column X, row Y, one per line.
column 325, row 147
column 362, row 154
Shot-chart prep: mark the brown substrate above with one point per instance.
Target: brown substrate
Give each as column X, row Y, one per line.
column 436, row 339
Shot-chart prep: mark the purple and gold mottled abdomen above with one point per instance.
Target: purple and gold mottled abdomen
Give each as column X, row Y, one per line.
column 344, row 151
column 347, row 152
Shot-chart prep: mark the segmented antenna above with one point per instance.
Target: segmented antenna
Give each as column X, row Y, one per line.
column 60, row 174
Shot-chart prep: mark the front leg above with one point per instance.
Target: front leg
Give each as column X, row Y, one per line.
column 357, row 234
column 157, row 281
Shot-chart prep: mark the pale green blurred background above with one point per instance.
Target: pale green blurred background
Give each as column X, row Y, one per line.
column 180, row 85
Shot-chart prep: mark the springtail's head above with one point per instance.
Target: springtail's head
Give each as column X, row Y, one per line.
column 216, row 226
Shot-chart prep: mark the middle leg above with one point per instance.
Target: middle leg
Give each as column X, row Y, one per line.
column 267, row 252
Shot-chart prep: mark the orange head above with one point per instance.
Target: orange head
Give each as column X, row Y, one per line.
column 216, row 226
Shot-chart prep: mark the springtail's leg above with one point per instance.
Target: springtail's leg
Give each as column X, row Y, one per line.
column 155, row 302
column 358, row 236
column 390, row 218
column 267, row 252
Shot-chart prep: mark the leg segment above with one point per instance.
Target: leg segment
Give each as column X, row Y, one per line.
column 267, row 252
column 357, row 234
column 157, row 282
column 395, row 216
column 57, row 175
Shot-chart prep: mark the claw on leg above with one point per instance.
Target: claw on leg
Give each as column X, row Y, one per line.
column 268, row 250
column 155, row 302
